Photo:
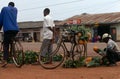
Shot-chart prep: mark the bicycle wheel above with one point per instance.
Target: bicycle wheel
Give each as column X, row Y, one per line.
column 55, row 59
column 78, row 51
column 18, row 55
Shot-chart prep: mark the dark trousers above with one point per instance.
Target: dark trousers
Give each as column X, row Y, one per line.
column 112, row 56
column 8, row 36
column 46, row 47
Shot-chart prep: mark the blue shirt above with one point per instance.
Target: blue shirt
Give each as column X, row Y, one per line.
column 8, row 18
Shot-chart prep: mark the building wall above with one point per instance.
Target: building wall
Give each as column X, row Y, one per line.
column 118, row 32
column 34, row 33
column 117, row 26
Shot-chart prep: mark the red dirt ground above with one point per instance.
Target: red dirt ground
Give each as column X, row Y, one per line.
column 37, row 72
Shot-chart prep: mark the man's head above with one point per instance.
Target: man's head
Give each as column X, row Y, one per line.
column 46, row 11
column 11, row 4
column 106, row 37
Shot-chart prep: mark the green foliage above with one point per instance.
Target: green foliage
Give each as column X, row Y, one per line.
column 1, row 55
column 30, row 57
column 74, row 63
column 1, row 58
column 10, row 60
column 96, row 61
column 82, row 29
column 105, row 61
column 70, row 64
column 93, row 64
column 57, row 57
column 81, row 61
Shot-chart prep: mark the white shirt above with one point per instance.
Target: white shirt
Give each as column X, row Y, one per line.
column 48, row 22
column 112, row 45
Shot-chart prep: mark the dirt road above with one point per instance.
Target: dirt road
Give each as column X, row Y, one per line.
column 37, row 72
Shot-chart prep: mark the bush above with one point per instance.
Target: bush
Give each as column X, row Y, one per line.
column 57, row 57
column 74, row 63
column 30, row 57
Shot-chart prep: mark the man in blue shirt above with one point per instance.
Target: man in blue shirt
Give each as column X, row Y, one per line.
column 8, row 19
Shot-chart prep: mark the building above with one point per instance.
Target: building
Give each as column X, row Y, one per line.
column 97, row 23
column 31, row 31
column 100, row 23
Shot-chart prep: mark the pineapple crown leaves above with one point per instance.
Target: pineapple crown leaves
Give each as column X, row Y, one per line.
column 81, row 29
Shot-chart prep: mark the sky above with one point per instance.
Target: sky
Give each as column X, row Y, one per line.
column 32, row 10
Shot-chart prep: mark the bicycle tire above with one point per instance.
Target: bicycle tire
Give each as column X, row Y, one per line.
column 18, row 55
column 78, row 51
column 56, row 57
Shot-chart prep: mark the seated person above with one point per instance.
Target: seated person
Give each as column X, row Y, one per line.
column 112, row 50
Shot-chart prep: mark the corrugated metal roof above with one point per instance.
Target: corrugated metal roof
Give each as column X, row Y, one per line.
column 34, row 24
column 96, row 18
column 30, row 24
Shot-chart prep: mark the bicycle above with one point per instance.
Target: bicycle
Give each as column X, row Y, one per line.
column 62, row 52
column 15, row 52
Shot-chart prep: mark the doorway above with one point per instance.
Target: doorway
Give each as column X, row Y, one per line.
column 103, row 29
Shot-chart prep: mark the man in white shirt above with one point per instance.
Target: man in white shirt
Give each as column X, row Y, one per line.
column 48, row 30
column 112, row 49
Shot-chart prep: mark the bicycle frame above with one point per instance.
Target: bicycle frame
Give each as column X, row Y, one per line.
column 68, row 53
column 61, row 50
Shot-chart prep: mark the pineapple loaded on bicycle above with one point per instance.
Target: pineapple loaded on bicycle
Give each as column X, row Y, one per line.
column 71, row 44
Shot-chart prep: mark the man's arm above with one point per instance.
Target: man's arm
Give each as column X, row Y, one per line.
column 110, row 45
column 50, row 28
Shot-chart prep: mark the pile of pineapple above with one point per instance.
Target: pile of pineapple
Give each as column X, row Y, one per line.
column 82, row 36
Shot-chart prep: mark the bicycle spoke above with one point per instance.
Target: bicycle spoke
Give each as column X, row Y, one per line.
column 78, row 51
column 18, row 56
column 54, row 59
